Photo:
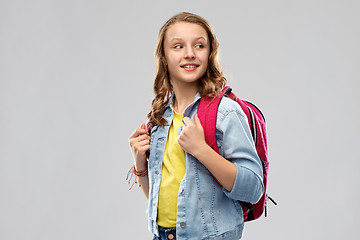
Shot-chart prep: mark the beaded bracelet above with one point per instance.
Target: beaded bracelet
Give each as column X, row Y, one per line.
column 132, row 171
column 140, row 174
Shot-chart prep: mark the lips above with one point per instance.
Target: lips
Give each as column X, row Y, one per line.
column 190, row 66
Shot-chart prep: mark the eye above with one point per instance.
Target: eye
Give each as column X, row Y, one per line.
column 199, row 46
column 178, row 46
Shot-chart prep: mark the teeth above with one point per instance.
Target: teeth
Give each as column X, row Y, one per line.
column 189, row 66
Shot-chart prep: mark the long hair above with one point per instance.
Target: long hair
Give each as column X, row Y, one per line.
column 211, row 83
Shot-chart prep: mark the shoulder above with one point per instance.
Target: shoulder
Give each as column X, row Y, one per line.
column 231, row 126
column 228, row 106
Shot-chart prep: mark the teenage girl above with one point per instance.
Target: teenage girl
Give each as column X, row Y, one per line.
column 175, row 168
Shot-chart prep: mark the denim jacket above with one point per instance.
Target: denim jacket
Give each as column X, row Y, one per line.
column 206, row 210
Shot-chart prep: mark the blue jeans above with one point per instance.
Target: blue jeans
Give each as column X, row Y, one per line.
column 166, row 234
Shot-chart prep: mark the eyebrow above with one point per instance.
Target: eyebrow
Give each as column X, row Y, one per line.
column 179, row 38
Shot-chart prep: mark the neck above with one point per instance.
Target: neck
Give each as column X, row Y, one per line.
column 184, row 95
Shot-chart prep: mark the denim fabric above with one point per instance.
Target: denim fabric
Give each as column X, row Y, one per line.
column 206, row 210
column 166, row 234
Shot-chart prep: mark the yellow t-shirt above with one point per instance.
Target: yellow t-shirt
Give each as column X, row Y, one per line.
column 173, row 170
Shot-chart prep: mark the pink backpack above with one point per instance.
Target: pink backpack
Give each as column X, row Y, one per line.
column 207, row 112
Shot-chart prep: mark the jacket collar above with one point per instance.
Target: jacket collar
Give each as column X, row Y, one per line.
column 188, row 108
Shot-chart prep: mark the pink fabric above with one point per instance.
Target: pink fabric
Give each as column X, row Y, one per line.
column 207, row 113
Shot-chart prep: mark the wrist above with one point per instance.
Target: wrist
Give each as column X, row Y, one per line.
column 202, row 151
column 140, row 173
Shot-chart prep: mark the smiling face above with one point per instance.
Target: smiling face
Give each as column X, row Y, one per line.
column 186, row 48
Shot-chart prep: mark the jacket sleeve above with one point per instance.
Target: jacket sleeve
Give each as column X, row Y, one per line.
column 237, row 146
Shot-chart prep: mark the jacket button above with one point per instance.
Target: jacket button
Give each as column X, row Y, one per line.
column 183, row 224
column 171, row 236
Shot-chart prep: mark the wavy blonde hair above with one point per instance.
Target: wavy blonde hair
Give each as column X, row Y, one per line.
column 211, row 83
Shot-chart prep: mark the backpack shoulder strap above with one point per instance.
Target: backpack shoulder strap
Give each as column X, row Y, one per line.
column 207, row 113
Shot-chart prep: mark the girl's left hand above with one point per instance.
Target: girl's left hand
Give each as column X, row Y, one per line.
column 192, row 137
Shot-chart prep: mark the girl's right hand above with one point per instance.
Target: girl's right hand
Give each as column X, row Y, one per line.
column 140, row 144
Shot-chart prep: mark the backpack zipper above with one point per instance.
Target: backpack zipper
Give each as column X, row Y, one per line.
column 258, row 110
column 253, row 125
column 266, row 200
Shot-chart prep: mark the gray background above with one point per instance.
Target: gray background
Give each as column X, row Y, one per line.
column 76, row 80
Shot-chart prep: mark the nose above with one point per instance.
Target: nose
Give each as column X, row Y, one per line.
column 190, row 53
